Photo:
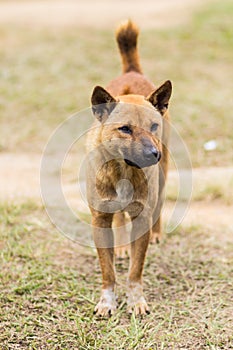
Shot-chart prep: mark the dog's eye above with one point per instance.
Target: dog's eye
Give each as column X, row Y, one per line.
column 125, row 129
column 154, row 127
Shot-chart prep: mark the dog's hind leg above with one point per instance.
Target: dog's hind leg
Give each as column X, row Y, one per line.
column 122, row 237
column 104, row 241
column 156, row 232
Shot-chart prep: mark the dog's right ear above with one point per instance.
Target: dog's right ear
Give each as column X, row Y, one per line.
column 102, row 103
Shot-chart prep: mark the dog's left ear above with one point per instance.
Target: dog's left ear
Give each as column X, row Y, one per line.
column 161, row 96
column 102, row 103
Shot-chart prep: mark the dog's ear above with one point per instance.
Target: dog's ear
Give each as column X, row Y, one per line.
column 161, row 96
column 102, row 103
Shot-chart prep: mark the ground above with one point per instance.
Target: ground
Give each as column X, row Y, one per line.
column 49, row 285
column 87, row 14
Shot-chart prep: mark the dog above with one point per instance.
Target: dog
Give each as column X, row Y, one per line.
column 126, row 169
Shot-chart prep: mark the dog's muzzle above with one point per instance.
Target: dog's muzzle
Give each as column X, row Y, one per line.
column 149, row 158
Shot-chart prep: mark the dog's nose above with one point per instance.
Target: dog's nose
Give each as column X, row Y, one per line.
column 152, row 154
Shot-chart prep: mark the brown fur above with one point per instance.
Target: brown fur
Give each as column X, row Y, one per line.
column 125, row 114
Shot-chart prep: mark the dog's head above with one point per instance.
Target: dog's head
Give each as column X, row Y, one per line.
column 131, row 125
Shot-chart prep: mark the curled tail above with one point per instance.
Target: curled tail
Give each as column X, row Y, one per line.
column 126, row 36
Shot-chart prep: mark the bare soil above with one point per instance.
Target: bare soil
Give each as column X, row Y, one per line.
column 20, row 181
column 99, row 14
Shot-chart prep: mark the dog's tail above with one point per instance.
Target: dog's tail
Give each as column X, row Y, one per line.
column 126, row 36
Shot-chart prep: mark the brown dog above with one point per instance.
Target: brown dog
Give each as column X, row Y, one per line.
column 125, row 145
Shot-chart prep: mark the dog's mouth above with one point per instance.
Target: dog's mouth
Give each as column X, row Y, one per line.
column 143, row 163
column 128, row 162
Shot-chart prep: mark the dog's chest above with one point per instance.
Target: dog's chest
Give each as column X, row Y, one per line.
column 131, row 185
column 126, row 184
column 124, row 190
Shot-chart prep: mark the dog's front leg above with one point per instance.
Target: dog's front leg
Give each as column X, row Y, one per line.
column 139, row 245
column 104, row 241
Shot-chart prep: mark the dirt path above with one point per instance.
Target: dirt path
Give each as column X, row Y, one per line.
column 99, row 14
column 19, row 181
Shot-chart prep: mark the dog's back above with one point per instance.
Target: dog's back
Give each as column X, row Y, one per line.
column 132, row 81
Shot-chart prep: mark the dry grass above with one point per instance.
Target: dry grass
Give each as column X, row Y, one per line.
column 49, row 287
column 208, row 185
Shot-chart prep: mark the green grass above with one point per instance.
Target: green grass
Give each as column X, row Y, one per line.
column 47, row 74
column 49, row 287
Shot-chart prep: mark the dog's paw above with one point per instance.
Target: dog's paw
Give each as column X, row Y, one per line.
column 122, row 252
column 136, row 301
column 139, row 307
column 107, row 304
column 155, row 237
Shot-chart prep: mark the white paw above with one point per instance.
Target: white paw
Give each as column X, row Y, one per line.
column 136, row 301
column 107, row 304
